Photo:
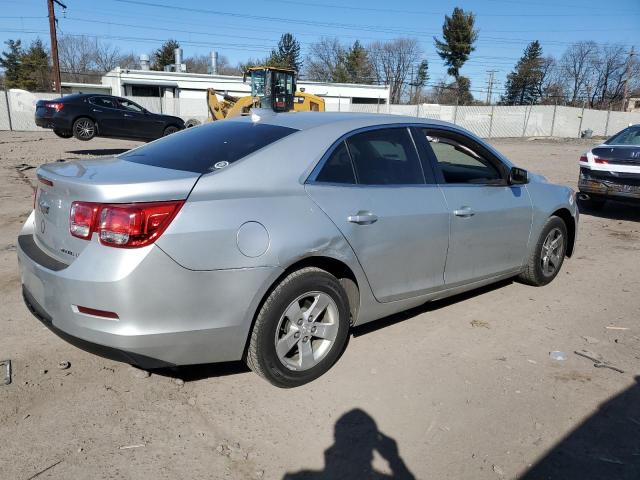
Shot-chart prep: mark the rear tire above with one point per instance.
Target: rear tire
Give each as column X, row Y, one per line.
column 62, row 133
column 169, row 130
column 301, row 329
column 548, row 254
column 84, row 129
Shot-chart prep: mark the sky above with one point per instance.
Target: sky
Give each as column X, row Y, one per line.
column 239, row 30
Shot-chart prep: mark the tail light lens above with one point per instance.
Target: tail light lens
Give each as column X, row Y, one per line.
column 129, row 225
column 584, row 159
column 57, row 106
column 600, row 160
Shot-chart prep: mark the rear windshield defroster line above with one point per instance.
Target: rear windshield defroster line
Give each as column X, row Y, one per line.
column 198, row 149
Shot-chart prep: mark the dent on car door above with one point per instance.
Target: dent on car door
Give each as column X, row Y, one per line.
column 490, row 219
column 373, row 188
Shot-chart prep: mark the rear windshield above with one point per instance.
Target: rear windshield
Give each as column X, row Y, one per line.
column 200, row 149
column 628, row 136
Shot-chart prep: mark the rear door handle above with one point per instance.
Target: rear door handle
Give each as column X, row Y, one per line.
column 464, row 212
column 96, row 110
column 363, row 218
column 127, row 115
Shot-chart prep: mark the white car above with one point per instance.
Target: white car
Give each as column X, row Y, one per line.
column 611, row 170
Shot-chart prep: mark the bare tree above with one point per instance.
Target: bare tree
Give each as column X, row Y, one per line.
column 610, row 68
column 202, row 64
column 576, row 67
column 325, row 64
column 392, row 62
column 106, row 57
column 77, row 57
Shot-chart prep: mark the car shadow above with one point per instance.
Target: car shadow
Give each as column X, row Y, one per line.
column 99, row 152
column 191, row 373
column 603, row 447
column 426, row 307
column 356, row 438
column 613, row 210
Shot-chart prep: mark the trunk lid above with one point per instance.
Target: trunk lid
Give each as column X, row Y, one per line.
column 619, row 155
column 110, row 180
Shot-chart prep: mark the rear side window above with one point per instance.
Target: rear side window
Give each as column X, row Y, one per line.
column 628, row 136
column 103, row 102
column 199, row 149
column 337, row 168
column 385, row 157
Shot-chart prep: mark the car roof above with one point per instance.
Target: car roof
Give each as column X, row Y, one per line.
column 348, row 120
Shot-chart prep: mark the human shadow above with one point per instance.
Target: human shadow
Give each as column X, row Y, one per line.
column 605, row 446
column 99, row 152
column 356, row 438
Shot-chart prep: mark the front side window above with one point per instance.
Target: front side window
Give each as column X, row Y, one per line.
column 385, row 157
column 460, row 163
column 130, row 106
column 337, row 168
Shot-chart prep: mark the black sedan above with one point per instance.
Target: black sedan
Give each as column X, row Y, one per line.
column 85, row 116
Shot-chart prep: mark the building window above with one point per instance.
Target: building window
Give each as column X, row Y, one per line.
column 146, row 91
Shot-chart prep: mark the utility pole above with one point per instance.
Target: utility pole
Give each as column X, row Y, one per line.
column 490, row 86
column 625, row 95
column 54, row 42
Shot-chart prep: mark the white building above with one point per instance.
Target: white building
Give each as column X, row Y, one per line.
column 184, row 94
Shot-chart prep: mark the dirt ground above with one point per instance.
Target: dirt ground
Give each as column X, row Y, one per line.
column 457, row 389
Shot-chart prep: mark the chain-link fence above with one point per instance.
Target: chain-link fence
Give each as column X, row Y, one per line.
column 17, row 109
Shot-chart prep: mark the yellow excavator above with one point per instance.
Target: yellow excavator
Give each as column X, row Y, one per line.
column 271, row 88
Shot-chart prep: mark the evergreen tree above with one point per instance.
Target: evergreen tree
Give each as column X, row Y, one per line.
column 523, row 83
column 11, row 61
column 287, row 55
column 458, row 37
column 36, row 74
column 164, row 55
column 357, row 65
column 419, row 81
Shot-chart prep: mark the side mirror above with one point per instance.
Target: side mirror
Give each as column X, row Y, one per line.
column 518, row 176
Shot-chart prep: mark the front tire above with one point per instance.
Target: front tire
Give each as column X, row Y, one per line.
column 169, row 130
column 300, row 330
column 548, row 254
column 62, row 133
column 84, row 129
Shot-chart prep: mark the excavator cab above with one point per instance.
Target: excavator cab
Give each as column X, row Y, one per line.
column 274, row 87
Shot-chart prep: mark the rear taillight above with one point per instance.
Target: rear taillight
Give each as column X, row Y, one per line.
column 584, row 159
column 600, row 160
column 122, row 225
column 57, row 106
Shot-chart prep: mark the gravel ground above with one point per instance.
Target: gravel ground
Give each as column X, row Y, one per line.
column 460, row 389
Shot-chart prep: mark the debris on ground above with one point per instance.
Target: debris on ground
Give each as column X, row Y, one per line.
column 497, row 469
column 64, row 365
column 138, row 373
column 44, row 470
column 127, row 447
column 23, row 167
column 192, row 401
column 597, row 360
column 178, row 381
column 613, row 327
column 557, row 355
column 479, row 323
column 590, row 340
column 5, row 366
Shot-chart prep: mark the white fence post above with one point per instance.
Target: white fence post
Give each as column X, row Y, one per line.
column 553, row 120
column 6, row 97
column 606, row 124
column 491, row 121
column 581, row 117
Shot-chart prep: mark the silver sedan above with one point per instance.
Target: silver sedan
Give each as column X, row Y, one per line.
column 265, row 238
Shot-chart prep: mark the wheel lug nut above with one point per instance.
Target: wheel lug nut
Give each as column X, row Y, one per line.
column 300, row 322
column 313, row 329
column 305, row 339
column 296, row 335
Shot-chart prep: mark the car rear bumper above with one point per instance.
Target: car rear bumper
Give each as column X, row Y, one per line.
column 44, row 122
column 607, row 184
column 168, row 315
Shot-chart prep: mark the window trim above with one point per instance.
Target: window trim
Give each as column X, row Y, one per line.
column 311, row 178
column 473, row 145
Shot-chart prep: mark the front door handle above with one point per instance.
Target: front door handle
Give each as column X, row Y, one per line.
column 363, row 217
column 464, row 212
column 96, row 110
column 127, row 115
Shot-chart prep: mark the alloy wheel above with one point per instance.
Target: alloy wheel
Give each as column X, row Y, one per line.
column 552, row 251
column 307, row 331
column 85, row 129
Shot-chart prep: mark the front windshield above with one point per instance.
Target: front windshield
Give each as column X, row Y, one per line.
column 257, row 83
column 628, row 136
